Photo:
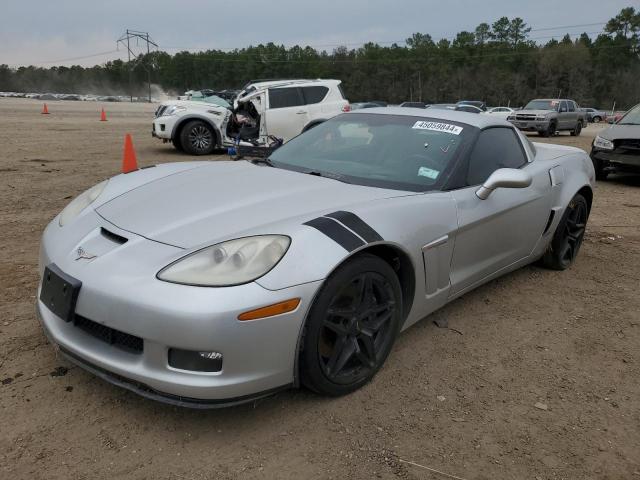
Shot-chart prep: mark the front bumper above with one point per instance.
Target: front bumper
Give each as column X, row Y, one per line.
column 162, row 127
column 120, row 291
column 612, row 160
column 531, row 125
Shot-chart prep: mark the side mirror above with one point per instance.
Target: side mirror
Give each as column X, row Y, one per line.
column 504, row 178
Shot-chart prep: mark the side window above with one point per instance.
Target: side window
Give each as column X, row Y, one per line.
column 285, row 97
column 495, row 148
column 314, row 94
column 572, row 106
column 563, row 106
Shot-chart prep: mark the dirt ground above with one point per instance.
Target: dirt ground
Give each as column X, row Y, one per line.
column 460, row 400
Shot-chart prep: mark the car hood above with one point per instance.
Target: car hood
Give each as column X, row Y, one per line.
column 616, row 132
column 225, row 200
column 200, row 104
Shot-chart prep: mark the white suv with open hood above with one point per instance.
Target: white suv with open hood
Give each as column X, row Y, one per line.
column 262, row 110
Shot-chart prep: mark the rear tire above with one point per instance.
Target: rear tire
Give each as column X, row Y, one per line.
column 596, row 119
column 576, row 131
column 567, row 239
column 198, row 138
column 351, row 326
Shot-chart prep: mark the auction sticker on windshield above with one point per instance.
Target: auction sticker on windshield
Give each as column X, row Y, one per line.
column 438, row 127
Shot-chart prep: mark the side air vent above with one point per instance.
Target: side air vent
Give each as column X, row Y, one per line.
column 549, row 222
column 114, row 237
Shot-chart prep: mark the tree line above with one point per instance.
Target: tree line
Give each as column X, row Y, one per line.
column 499, row 63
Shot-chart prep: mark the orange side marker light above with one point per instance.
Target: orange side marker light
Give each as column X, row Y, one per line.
column 271, row 310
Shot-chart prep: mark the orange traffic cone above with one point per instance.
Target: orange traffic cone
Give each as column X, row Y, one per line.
column 129, row 162
column 45, row 110
column 103, row 116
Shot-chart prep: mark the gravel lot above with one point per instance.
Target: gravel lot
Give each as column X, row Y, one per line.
column 461, row 401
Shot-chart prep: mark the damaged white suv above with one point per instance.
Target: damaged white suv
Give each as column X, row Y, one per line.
column 262, row 110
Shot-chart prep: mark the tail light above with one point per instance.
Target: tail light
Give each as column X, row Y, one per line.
column 346, row 108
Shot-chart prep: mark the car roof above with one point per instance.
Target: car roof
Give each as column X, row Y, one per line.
column 473, row 119
column 283, row 83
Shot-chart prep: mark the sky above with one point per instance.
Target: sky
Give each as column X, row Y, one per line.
column 85, row 32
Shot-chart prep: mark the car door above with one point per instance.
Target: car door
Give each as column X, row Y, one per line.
column 313, row 99
column 563, row 116
column 286, row 113
column 572, row 114
column 503, row 229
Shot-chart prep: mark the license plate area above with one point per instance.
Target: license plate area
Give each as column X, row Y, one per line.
column 59, row 292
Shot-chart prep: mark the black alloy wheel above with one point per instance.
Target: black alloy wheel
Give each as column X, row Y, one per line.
column 352, row 326
column 568, row 237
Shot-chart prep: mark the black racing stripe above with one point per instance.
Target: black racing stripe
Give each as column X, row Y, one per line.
column 336, row 232
column 356, row 224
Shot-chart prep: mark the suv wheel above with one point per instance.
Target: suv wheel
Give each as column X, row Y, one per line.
column 550, row 131
column 576, row 131
column 596, row 119
column 197, row 138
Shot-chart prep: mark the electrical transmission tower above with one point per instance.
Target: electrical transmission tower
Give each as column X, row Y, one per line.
column 126, row 41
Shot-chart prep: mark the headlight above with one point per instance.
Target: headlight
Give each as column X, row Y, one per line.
column 228, row 263
column 541, row 117
column 172, row 110
column 81, row 202
column 511, row 117
column 603, row 143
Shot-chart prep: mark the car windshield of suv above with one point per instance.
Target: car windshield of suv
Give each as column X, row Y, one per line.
column 632, row 117
column 542, row 105
column 389, row 151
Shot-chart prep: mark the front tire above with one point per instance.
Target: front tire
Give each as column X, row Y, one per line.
column 568, row 236
column 197, row 138
column 550, row 130
column 596, row 119
column 351, row 326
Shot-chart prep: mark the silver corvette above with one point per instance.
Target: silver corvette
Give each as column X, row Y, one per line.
column 213, row 283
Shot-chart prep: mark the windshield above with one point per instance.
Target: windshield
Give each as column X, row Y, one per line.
column 632, row 117
column 389, row 151
column 542, row 105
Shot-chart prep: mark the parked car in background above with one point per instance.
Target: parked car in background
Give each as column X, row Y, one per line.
column 443, row 106
column 361, row 105
column 617, row 148
column 500, row 112
column 594, row 115
column 279, row 108
column 615, row 117
column 413, row 105
column 468, row 108
column 548, row 116
column 476, row 103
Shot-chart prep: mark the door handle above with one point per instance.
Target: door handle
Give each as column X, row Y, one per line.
column 301, row 112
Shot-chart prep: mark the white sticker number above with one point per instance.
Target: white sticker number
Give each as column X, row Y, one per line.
column 438, row 127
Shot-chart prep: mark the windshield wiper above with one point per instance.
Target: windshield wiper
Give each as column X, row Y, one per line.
column 263, row 161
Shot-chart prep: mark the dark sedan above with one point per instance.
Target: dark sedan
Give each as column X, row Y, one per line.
column 617, row 149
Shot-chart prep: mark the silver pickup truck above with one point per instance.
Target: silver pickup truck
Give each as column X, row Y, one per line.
column 548, row 116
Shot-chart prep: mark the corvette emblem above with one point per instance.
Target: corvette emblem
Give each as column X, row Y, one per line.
column 82, row 254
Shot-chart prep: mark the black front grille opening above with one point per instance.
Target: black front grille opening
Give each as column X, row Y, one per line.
column 124, row 341
column 114, row 237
